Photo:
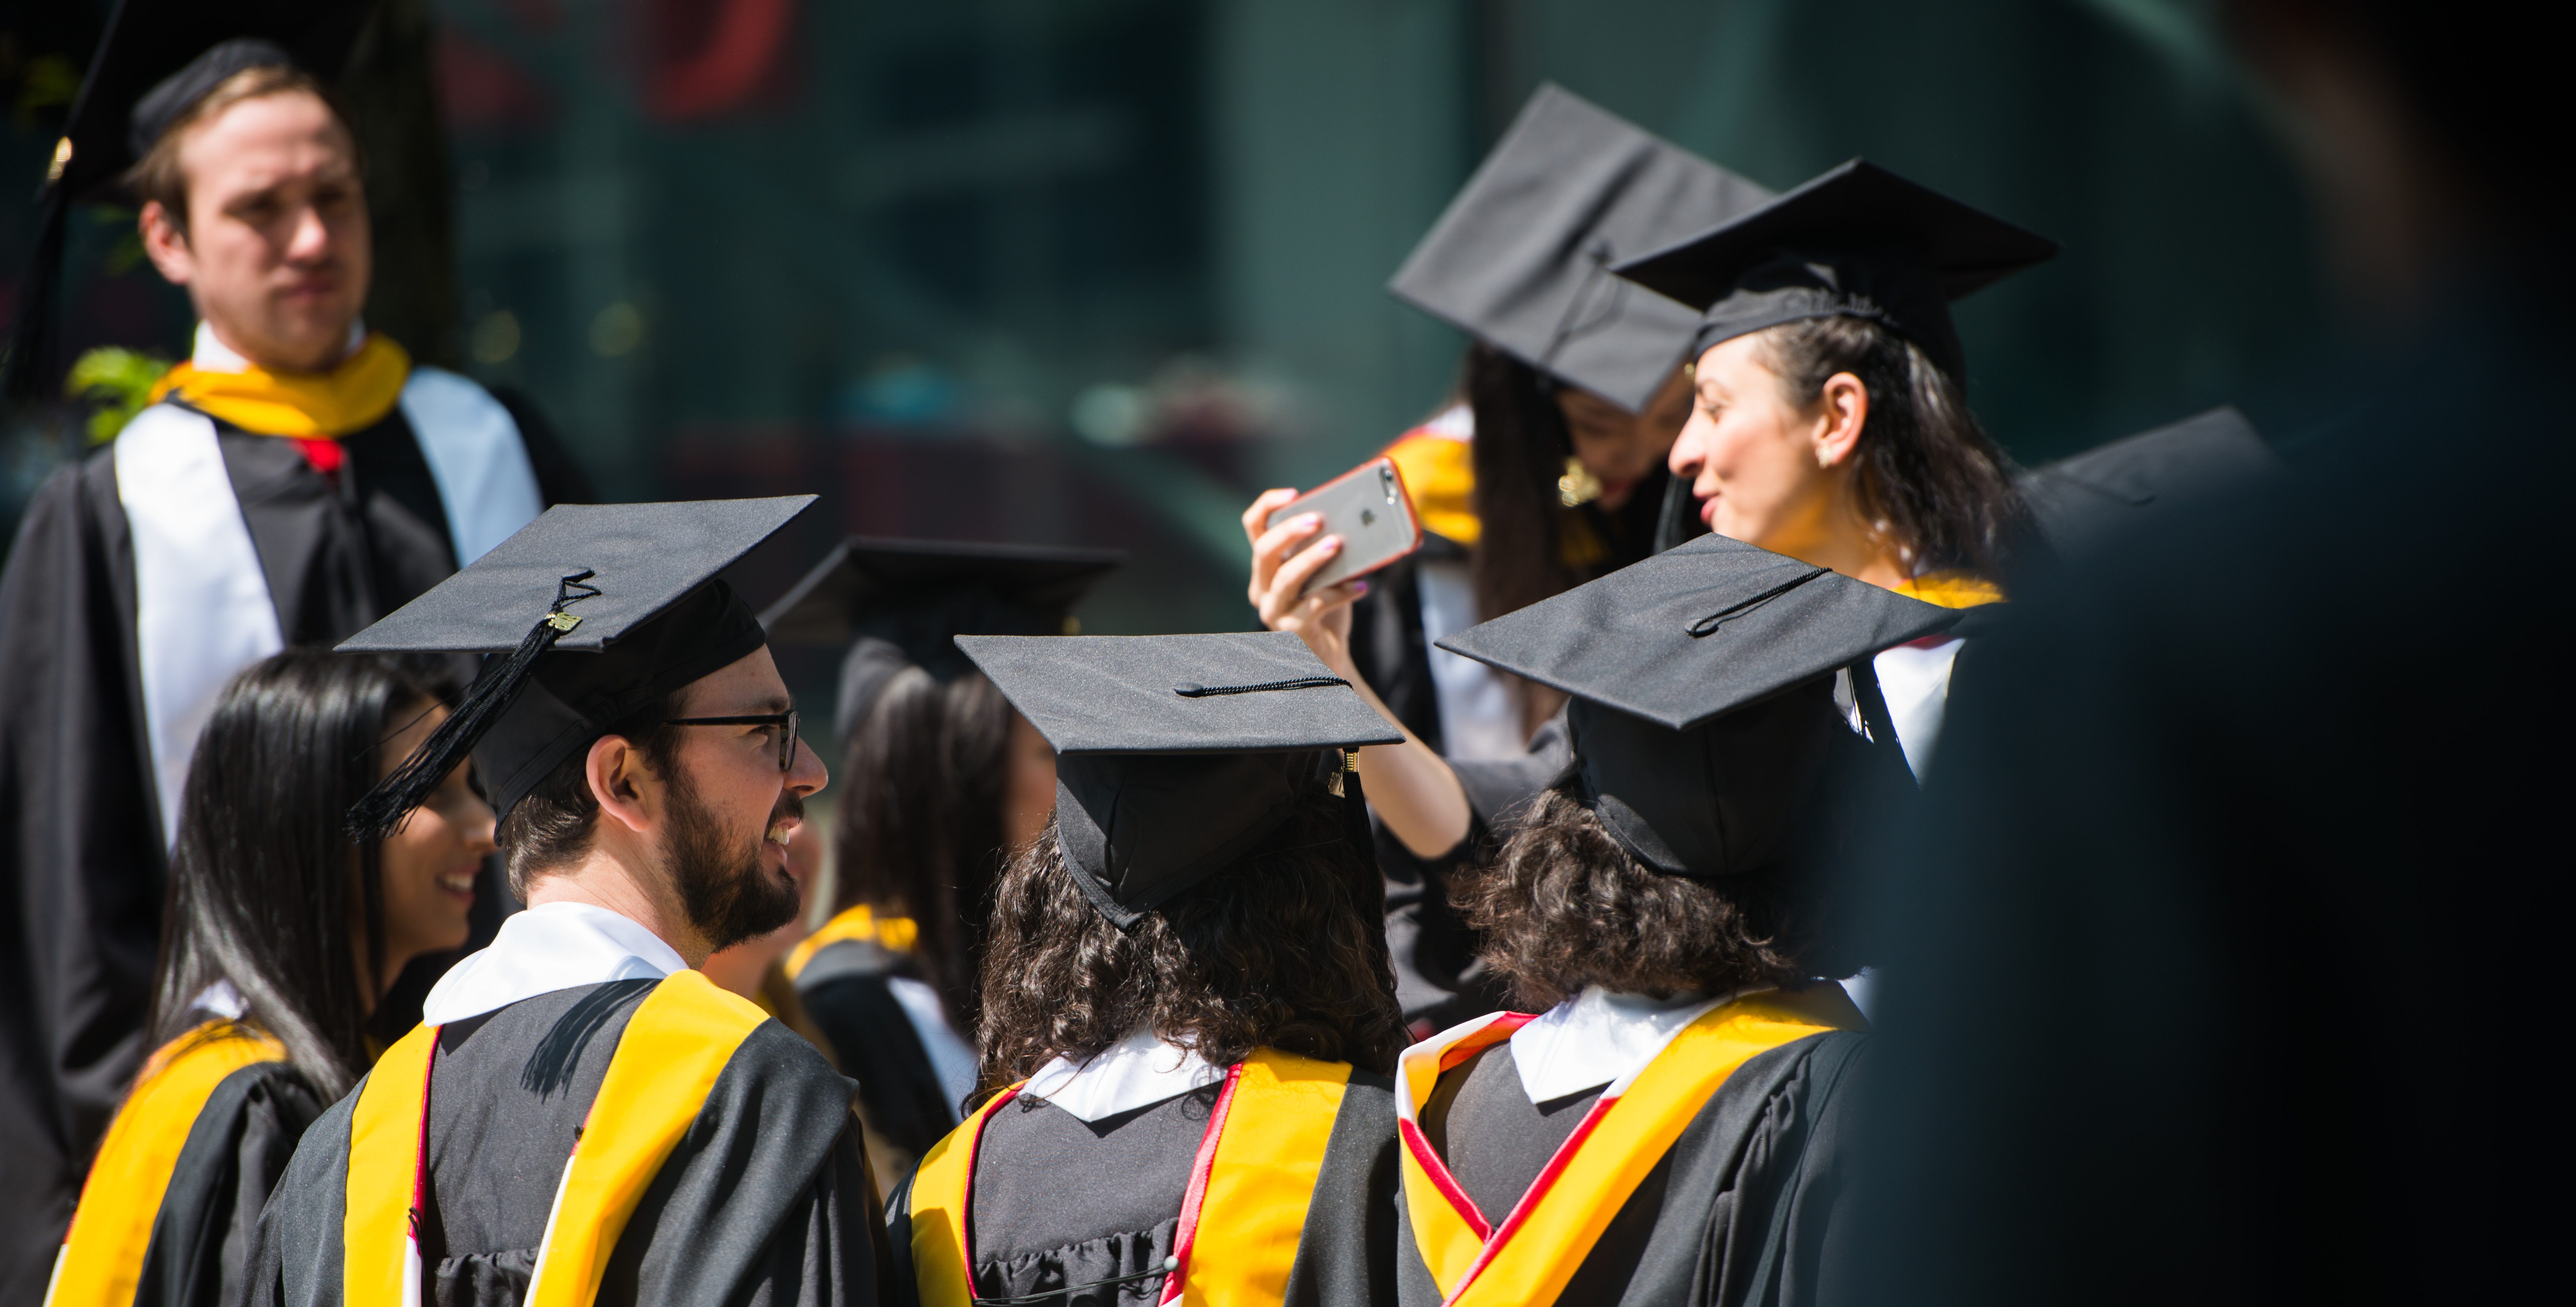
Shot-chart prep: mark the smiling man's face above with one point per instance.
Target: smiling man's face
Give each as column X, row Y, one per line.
column 731, row 812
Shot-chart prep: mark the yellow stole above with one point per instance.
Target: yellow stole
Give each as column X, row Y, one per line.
column 1440, row 479
column 102, row 1257
column 1952, row 589
column 861, row 922
column 1536, row 1249
column 666, row 1064
column 1270, row 1144
column 305, row 405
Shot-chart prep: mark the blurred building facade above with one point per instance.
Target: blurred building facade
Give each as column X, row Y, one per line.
column 1095, row 271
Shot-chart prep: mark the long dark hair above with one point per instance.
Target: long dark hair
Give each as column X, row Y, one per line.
column 920, row 823
column 1284, row 948
column 1563, row 906
column 1926, row 474
column 262, row 878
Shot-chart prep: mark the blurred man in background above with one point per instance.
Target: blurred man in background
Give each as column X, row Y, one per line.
column 2215, row 975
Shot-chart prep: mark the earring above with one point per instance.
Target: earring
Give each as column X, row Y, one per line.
column 1577, row 486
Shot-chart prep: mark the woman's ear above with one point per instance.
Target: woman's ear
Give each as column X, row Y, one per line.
column 1842, row 409
column 618, row 777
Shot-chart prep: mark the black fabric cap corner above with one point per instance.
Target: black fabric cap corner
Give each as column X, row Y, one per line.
column 1176, row 753
column 1701, row 629
column 1857, row 241
column 1521, row 257
column 2108, row 488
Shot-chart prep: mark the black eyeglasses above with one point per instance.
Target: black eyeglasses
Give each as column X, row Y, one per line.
column 784, row 721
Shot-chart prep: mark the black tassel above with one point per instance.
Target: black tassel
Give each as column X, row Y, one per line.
column 32, row 370
column 385, row 807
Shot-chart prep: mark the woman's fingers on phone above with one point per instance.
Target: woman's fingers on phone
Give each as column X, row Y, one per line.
column 1297, row 571
column 1257, row 517
column 1271, row 546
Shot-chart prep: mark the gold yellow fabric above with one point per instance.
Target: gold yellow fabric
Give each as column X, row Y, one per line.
column 1440, row 479
column 351, row 397
column 675, row 1046
column 1539, row 1246
column 102, row 1258
column 1952, row 589
column 1260, row 1187
column 861, row 922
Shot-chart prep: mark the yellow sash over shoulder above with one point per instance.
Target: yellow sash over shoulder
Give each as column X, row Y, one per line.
column 307, row 406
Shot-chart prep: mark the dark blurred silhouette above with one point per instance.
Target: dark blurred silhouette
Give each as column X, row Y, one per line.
column 2215, row 963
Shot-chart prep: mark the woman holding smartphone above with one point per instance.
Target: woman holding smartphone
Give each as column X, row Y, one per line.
column 280, row 938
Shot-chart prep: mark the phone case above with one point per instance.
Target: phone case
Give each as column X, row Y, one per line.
column 1369, row 509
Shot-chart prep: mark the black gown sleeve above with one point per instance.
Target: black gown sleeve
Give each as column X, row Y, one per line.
column 295, row 1245
column 1347, row 1252
column 202, row 1240
column 80, row 857
column 846, row 995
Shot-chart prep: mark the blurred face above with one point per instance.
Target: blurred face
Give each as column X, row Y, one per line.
column 1760, row 467
column 1617, row 446
column 430, row 865
column 275, row 251
column 1028, row 789
column 732, row 812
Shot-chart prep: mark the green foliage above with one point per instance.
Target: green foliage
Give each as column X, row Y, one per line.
column 119, row 381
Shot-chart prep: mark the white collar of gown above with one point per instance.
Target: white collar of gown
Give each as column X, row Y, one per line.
column 1600, row 1038
column 549, row 947
column 1134, row 1072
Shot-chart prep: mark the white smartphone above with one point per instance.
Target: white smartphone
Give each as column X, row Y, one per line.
column 1368, row 509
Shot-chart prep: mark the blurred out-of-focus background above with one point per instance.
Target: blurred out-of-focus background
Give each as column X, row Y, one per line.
column 1097, row 271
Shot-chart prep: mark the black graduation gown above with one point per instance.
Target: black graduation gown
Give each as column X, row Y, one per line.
column 2251, row 824
column 81, row 851
column 766, row 1200
column 1061, row 1201
column 844, row 990
column 238, row 1148
column 1747, row 1206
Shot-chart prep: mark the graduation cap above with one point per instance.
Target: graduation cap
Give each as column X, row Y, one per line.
column 156, row 59
column 2080, row 499
column 903, row 602
column 1703, row 713
column 1521, row 258
column 1858, row 241
column 1176, row 753
column 602, row 610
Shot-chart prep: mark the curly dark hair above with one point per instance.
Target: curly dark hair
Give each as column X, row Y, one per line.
column 1925, row 470
column 1562, row 906
column 1284, row 949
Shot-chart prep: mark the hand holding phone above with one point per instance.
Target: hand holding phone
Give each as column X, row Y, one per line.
column 1368, row 508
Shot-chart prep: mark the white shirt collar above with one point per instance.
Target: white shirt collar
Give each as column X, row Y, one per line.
column 549, row 947
column 1599, row 1038
column 212, row 355
column 1135, row 1072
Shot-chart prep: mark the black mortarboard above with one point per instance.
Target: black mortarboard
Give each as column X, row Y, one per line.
column 2103, row 489
column 156, row 58
column 902, row 603
column 1702, row 708
column 603, row 610
column 1175, row 753
column 1521, row 258
column 1859, row 241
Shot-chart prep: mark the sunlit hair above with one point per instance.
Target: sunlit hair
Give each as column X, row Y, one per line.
column 157, row 177
column 1285, row 948
column 263, row 883
column 1562, row 906
column 920, row 826
column 1925, row 474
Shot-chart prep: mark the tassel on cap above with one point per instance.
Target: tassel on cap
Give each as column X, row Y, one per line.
column 386, row 807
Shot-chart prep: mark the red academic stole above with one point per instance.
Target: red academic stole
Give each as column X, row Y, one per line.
column 1529, row 1257
column 666, row 1064
column 1256, row 1166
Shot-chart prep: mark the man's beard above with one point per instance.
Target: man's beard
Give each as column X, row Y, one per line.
column 726, row 892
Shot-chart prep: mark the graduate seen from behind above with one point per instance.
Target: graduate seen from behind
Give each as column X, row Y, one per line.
column 1551, row 472
column 296, row 478
column 581, row 1117
column 941, row 780
column 1188, row 1010
column 283, row 938
column 1666, row 1120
